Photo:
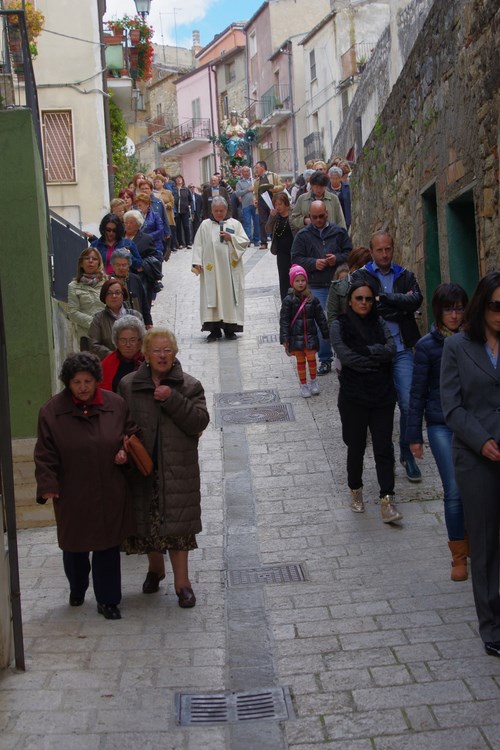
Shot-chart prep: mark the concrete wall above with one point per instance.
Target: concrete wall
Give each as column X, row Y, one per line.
column 439, row 130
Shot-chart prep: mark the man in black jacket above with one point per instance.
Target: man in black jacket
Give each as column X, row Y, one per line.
column 398, row 300
column 319, row 248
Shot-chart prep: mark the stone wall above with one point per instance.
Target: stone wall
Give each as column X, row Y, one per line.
column 439, row 127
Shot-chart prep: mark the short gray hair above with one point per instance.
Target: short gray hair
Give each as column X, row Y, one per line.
column 121, row 252
column 219, row 201
column 336, row 170
column 127, row 321
column 307, row 174
column 134, row 214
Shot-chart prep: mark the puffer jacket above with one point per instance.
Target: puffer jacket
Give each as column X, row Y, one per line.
column 83, row 303
column 424, row 395
column 170, row 431
column 304, row 333
column 400, row 306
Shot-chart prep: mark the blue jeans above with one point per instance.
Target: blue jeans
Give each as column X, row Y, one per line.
column 325, row 353
column 402, row 375
column 250, row 220
column 440, row 442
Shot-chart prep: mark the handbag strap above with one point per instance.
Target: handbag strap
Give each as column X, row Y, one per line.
column 298, row 311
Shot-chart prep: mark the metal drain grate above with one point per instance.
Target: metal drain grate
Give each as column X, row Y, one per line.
column 293, row 573
column 255, row 414
column 268, row 338
column 246, row 398
column 223, row 708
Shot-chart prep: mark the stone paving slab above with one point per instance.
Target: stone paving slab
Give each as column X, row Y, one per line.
column 378, row 647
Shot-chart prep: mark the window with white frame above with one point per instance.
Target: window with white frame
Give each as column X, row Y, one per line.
column 196, row 109
column 58, row 146
column 312, row 65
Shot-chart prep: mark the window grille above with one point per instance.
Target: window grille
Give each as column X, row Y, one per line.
column 58, row 148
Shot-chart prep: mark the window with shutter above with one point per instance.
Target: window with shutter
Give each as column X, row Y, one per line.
column 58, row 148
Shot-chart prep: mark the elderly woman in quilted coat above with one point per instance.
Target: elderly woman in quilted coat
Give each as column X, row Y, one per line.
column 170, row 408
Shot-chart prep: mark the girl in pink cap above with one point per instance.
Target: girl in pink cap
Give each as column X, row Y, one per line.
column 300, row 318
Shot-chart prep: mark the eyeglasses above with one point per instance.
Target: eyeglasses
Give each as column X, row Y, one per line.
column 157, row 352
column 494, row 305
column 114, row 294
column 110, row 229
column 360, row 298
column 126, row 342
column 317, row 216
column 451, row 310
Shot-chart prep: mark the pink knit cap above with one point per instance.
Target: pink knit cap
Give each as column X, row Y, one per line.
column 296, row 270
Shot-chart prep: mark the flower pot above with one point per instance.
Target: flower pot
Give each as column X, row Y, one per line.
column 135, row 36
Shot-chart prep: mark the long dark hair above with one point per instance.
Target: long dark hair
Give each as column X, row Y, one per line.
column 447, row 295
column 113, row 218
column 474, row 314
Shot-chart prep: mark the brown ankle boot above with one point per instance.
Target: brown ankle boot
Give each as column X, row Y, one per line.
column 458, row 550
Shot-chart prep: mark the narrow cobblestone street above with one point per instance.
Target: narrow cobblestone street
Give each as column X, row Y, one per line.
column 378, row 648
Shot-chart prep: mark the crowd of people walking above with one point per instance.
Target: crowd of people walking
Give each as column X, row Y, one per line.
column 355, row 307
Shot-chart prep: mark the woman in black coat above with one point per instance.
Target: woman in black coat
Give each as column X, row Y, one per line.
column 367, row 397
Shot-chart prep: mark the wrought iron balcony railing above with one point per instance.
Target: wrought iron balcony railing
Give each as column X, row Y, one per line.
column 195, row 129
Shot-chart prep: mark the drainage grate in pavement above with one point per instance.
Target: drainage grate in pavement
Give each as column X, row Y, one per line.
column 292, row 573
column 223, row 708
column 255, row 414
column 245, row 398
column 268, row 338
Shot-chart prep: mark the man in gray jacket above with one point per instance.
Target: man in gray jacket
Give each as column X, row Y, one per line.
column 320, row 247
column 244, row 192
column 318, row 192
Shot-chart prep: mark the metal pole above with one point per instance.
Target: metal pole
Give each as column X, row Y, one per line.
column 294, row 126
column 7, row 485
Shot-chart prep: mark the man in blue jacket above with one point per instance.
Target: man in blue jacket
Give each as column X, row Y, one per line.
column 398, row 300
column 319, row 248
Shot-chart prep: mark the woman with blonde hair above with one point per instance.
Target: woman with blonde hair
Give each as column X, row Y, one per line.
column 170, row 408
column 83, row 293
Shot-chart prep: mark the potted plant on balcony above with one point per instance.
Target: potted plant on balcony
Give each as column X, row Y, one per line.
column 140, row 35
column 34, row 25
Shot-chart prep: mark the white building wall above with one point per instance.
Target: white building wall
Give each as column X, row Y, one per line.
column 68, row 74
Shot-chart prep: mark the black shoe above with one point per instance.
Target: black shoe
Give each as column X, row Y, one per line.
column 324, row 368
column 186, row 598
column 76, row 601
column 110, row 611
column 492, row 648
column 231, row 336
column 412, row 471
column 152, row 582
column 213, row 337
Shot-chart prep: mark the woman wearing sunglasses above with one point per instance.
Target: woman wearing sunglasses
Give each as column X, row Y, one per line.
column 470, row 397
column 367, row 396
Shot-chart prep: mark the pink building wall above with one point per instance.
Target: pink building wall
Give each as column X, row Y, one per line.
column 197, row 85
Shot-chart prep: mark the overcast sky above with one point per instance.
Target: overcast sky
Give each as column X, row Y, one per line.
column 210, row 17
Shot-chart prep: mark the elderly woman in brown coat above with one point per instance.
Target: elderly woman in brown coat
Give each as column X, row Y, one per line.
column 78, row 465
column 170, row 408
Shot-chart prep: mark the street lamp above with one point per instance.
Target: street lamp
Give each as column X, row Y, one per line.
column 143, row 7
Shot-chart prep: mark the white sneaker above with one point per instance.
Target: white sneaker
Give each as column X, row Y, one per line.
column 314, row 387
column 304, row 391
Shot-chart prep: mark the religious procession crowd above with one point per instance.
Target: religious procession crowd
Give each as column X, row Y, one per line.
column 129, row 407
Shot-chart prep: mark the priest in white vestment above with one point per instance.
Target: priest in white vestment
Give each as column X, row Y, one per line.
column 218, row 250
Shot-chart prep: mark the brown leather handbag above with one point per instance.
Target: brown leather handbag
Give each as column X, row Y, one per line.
column 139, row 455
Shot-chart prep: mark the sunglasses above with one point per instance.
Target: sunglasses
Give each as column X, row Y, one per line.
column 360, row 298
column 110, row 229
column 494, row 305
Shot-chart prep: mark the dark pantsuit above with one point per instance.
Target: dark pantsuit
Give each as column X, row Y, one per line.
column 356, row 420
column 284, row 263
column 480, row 493
column 263, row 219
column 183, row 229
column 106, row 574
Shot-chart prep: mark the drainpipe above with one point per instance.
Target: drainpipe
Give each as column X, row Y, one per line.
column 105, row 104
column 211, row 69
column 294, row 126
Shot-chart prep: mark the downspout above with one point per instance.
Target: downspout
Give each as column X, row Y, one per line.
column 210, row 70
column 107, row 121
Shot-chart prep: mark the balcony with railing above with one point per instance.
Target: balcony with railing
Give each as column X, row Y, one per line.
column 313, row 147
column 185, row 138
column 276, row 105
column 354, row 60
